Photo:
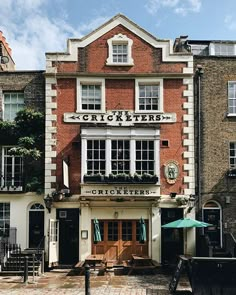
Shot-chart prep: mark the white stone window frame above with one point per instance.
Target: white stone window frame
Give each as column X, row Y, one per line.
column 19, row 105
column 4, row 156
column 131, row 134
column 231, row 114
column 222, row 49
column 120, row 39
column 149, row 81
column 90, row 81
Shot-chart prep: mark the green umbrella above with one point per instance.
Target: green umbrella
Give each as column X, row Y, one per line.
column 186, row 222
column 96, row 231
column 142, row 231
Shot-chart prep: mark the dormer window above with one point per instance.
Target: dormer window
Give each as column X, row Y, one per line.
column 119, row 51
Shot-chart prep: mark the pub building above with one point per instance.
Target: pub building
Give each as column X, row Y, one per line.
column 119, row 146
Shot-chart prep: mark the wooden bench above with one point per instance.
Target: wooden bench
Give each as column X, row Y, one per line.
column 79, row 268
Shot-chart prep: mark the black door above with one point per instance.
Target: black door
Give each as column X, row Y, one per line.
column 36, row 229
column 68, row 235
column 171, row 238
column 212, row 216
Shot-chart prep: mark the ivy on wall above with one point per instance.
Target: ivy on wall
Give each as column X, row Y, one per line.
column 26, row 133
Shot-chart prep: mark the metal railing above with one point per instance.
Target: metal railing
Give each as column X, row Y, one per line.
column 230, row 244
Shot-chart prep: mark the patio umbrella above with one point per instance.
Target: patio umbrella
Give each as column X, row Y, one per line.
column 186, row 222
column 142, row 231
column 96, row 231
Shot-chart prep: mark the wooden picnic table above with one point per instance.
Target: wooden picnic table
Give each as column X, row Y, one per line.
column 139, row 262
column 96, row 260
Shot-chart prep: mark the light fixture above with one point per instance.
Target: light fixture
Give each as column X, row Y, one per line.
column 227, row 200
column 116, row 214
column 173, row 195
column 48, row 202
column 191, row 203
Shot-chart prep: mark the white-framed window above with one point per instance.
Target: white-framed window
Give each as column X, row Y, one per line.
column 144, row 156
column 11, row 169
column 13, row 102
column 90, row 95
column 232, row 155
column 4, row 219
column 120, row 156
column 96, row 157
column 120, row 150
column 149, row 95
column 120, row 51
column 232, row 98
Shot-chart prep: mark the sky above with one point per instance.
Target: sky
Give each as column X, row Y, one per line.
column 34, row 27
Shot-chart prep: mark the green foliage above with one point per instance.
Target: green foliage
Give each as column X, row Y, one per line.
column 26, row 133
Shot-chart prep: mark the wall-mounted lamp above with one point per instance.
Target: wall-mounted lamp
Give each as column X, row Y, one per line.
column 227, row 200
column 48, row 202
column 173, row 195
column 191, row 203
column 116, row 214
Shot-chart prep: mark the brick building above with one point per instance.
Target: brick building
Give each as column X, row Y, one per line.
column 119, row 145
column 21, row 208
column 215, row 76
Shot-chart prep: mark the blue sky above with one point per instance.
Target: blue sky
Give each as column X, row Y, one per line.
column 33, row 27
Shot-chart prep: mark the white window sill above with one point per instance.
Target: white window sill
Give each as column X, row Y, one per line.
column 120, row 64
column 231, row 115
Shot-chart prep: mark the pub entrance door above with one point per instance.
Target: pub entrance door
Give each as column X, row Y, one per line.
column 172, row 239
column 120, row 239
column 68, row 236
column 36, row 226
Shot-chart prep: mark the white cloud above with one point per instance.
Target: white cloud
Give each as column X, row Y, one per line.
column 182, row 7
column 31, row 32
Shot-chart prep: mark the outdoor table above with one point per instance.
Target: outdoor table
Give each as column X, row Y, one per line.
column 140, row 263
column 96, row 260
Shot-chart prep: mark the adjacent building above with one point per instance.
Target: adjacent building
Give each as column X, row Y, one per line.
column 119, row 146
column 215, row 117
column 21, row 208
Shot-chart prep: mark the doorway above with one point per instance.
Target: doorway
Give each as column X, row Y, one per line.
column 120, row 239
column 68, row 236
column 212, row 215
column 172, row 242
column 36, row 226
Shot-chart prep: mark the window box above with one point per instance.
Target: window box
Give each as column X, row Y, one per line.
column 93, row 178
column 231, row 173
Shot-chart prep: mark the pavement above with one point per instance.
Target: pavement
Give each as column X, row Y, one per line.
column 63, row 282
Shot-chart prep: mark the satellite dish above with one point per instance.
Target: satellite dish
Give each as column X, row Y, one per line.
column 4, row 59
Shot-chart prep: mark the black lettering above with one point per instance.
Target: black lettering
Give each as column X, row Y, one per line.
column 119, row 118
column 158, row 117
column 110, row 118
column 144, row 118
column 136, row 192
column 94, row 192
column 112, row 192
column 147, row 192
column 94, row 117
column 128, row 118
column 141, row 192
column 85, row 117
column 126, row 192
column 151, row 118
column 102, row 118
column 118, row 192
column 136, row 118
column 131, row 191
column 100, row 192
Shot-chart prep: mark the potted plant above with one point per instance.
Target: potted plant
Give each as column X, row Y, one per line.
column 93, row 178
column 181, row 200
column 149, row 178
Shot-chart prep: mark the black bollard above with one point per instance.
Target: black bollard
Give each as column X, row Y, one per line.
column 26, row 269
column 87, row 279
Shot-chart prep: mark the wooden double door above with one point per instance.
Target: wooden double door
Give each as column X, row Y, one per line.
column 120, row 239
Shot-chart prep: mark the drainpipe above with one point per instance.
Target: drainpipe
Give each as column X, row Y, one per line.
column 199, row 73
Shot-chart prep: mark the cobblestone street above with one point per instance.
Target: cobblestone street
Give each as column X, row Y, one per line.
column 59, row 282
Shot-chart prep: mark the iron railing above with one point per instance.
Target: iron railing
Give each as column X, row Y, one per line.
column 230, row 244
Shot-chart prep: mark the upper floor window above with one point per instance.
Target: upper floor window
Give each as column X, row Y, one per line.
column 121, row 151
column 12, row 103
column 120, row 51
column 149, row 95
column 90, row 95
column 11, row 170
column 232, row 97
column 232, row 155
column 4, row 219
column 224, row 49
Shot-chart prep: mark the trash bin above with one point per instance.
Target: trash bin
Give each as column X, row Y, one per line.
column 213, row 275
